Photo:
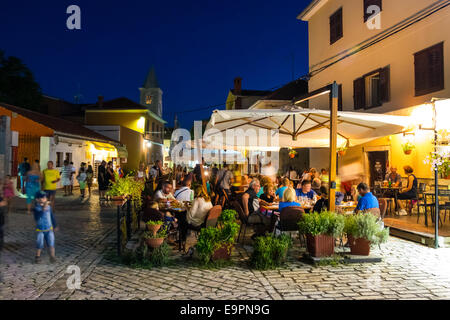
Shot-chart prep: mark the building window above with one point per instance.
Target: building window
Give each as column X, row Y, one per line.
column 59, row 159
column 148, row 99
column 336, row 26
column 429, row 70
column 367, row 10
column 372, row 90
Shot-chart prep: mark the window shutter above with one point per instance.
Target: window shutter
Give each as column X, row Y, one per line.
column 367, row 4
column 359, row 94
column 385, row 84
column 336, row 26
column 340, row 107
column 429, row 70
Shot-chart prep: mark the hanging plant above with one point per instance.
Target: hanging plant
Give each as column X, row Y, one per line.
column 292, row 153
column 342, row 151
column 408, row 147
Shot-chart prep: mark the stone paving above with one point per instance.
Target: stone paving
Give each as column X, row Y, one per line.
column 87, row 233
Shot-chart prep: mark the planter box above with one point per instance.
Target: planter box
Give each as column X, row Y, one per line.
column 359, row 247
column 222, row 254
column 320, row 246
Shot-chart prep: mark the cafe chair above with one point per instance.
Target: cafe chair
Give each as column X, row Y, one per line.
column 244, row 220
column 210, row 221
column 289, row 219
column 383, row 204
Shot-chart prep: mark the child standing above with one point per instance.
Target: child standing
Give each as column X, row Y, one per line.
column 45, row 225
column 82, row 181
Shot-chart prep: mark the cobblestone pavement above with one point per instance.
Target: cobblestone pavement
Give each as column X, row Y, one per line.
column 408, row 271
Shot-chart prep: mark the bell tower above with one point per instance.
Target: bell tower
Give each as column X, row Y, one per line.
column 151, row 93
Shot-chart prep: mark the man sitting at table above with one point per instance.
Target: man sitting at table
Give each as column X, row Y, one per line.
column 289, row 199
column 165, row 193
column 306, row 190
column 285, row 183
column 368, row 202
column 394, row 178
column 251, row 205
column 185, row 193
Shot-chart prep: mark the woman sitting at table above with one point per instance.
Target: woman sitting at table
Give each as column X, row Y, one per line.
column 408, row 193
column 269, row 194
column 200, row 208
column 285, row 183
column 289, row 199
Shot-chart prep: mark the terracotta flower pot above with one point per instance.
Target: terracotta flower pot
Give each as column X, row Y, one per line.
column 153, row 228
column 118, row 200
column 291, row 155
column 154, row 242
column 222, row 253
column 359, row 247
column 320, row 246
column 341, row 153
column 408, row 151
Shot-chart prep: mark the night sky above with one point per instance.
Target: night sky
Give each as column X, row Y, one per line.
column 197, row 48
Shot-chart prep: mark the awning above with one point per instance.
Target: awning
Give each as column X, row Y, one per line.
column 103, row 146
column 298, row 127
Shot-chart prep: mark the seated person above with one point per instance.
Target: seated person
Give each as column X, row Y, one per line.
column 269, row 194
column 289, row 199
column 408, row 193
column 251, row 205
column 152, row 213
column 285, row 183
column 185, row 193
column 322, row 203
column 200, row 208
column 368, row 202
column 394, row 178
column 306, row 190
column 165, row 193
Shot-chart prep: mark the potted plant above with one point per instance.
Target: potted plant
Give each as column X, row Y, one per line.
column 216, row 243
column 321, row 229
column 270, row 252
column 440, row 160
column 292, row 153
column 155, row 240
column 154, row 226
column 126, row 187
column 363, row 230
column 342, row 151
column 408, row 147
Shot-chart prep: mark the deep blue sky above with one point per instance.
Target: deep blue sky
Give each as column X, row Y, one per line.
column 197, row 47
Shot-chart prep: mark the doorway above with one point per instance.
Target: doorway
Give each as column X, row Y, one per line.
column 378, row 162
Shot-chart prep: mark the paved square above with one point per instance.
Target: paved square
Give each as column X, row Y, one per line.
column 87, row 232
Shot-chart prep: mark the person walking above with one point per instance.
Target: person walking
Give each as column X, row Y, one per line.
column 50, row 178
column 73, row 172
column 102, row 182
column 32, row 184
column 45, row 225
column 66, row 175
column 89, row 178
column 81, row 178
column 23, row 169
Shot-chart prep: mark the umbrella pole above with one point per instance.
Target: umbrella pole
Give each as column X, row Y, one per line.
column 333, row 145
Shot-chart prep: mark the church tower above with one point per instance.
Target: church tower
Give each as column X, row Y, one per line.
column 151, row 94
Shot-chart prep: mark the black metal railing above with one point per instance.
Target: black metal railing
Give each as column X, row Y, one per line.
column 128, row 222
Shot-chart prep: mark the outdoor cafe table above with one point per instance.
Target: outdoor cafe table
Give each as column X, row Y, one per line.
column 180, row 215
column 392, row 193
column 346, row 208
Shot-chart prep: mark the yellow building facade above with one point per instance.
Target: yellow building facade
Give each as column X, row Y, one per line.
column 377, row 62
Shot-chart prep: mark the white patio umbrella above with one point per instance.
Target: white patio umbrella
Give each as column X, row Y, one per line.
column 299, row 127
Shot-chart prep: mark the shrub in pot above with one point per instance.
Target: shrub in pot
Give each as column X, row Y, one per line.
column 363, row 230
column 155, row 240
column 154, row 226
column 216, row 243
column 321, row 229
column 126, row 187
column 270, row 252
